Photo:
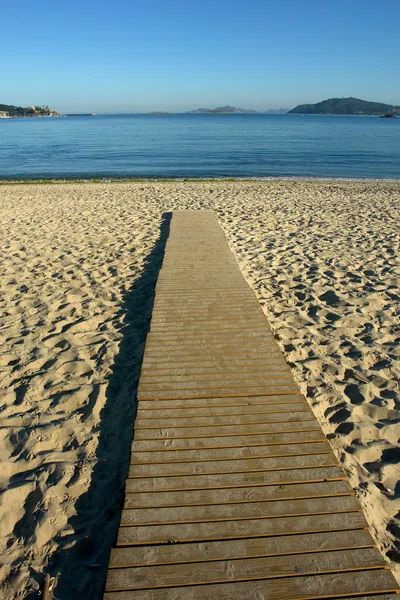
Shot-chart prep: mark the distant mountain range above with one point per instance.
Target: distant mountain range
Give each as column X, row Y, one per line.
column 232, row 110
column 332, row 106
column 345, row 106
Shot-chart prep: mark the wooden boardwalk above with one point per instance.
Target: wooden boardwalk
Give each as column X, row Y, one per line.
column 233, row 491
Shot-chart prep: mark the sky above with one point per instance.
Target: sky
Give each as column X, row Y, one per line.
column 128, row 56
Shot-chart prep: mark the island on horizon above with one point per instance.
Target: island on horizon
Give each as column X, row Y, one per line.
column 233, row 110
column 331, row 106
column 346, row 106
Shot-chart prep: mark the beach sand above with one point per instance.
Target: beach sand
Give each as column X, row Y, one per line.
column 79, row 262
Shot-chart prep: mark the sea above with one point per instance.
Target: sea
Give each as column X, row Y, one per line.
column 240, row 146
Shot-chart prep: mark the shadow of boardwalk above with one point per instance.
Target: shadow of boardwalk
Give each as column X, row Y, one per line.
column 82, row 568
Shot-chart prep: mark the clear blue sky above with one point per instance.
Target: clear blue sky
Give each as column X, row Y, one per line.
column 126, row 56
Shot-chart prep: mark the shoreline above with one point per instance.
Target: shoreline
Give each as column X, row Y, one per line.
column 322, row 259
column 228, row 179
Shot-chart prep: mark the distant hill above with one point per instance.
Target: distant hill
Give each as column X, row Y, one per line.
column 227, row 110
column 276, row 111
column 345, row 106
column 232, row 110
column 29, row 111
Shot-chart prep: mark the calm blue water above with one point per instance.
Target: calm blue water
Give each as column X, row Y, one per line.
column 200, row 146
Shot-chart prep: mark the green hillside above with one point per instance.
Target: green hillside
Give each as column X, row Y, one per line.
column 345, row 106
column 29, row 111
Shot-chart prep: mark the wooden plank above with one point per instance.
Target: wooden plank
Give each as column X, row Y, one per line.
column 383, row 596
column 291, row 399
column 251, row 334
column 154, row 418
column 238, row 316
column 199, row 314
column 230, row 454
column 202, row 289
column 236, row 354
column 278, row 438
column 218, row 294
column 251, row 329
column 224, row 420
column 217, row 345
column 173, row 276
column 204, row 322
column 256, row 374
column 199, row 275
column 222, row 392
column 232, row 414
column 248, row 548
column 205, row 327
column 212, row 338
column 241, row 362
column 277, row 366
column 165, row 534
column 177, row 326
column 210, row 331
column 243, row 570
column 220, row 301
column 200, row 285
column 240, row 511
column 217, row 297
column 200, row 282
column 219, row 350
column 316, row 587
column 225, row 430
column 210, row 326
column 258, row 357
column 208, row 323
column 204, row 313
column 244, row 465
column 217, row 338
column 211, row 412
column 268, row 493
column 228, row 480
column 216, row 382
column 282, row 380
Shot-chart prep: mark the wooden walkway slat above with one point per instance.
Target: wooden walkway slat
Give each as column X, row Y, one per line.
column 242, row 570
column 232, row 401
column 342, row 585
column 233, row 491
column 238, row 465
column 212, row 412
column 229, row 454
column 214, row 530
column 233, row 549
column 238, row 479
column 248, row 510
column 214, row 497
column 239, row 441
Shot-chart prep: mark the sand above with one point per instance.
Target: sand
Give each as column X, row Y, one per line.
column 322, row 258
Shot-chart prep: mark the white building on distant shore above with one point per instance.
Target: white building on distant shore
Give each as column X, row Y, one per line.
column 4, row 114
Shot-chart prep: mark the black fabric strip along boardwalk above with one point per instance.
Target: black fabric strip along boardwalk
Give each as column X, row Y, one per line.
column 233, row 491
